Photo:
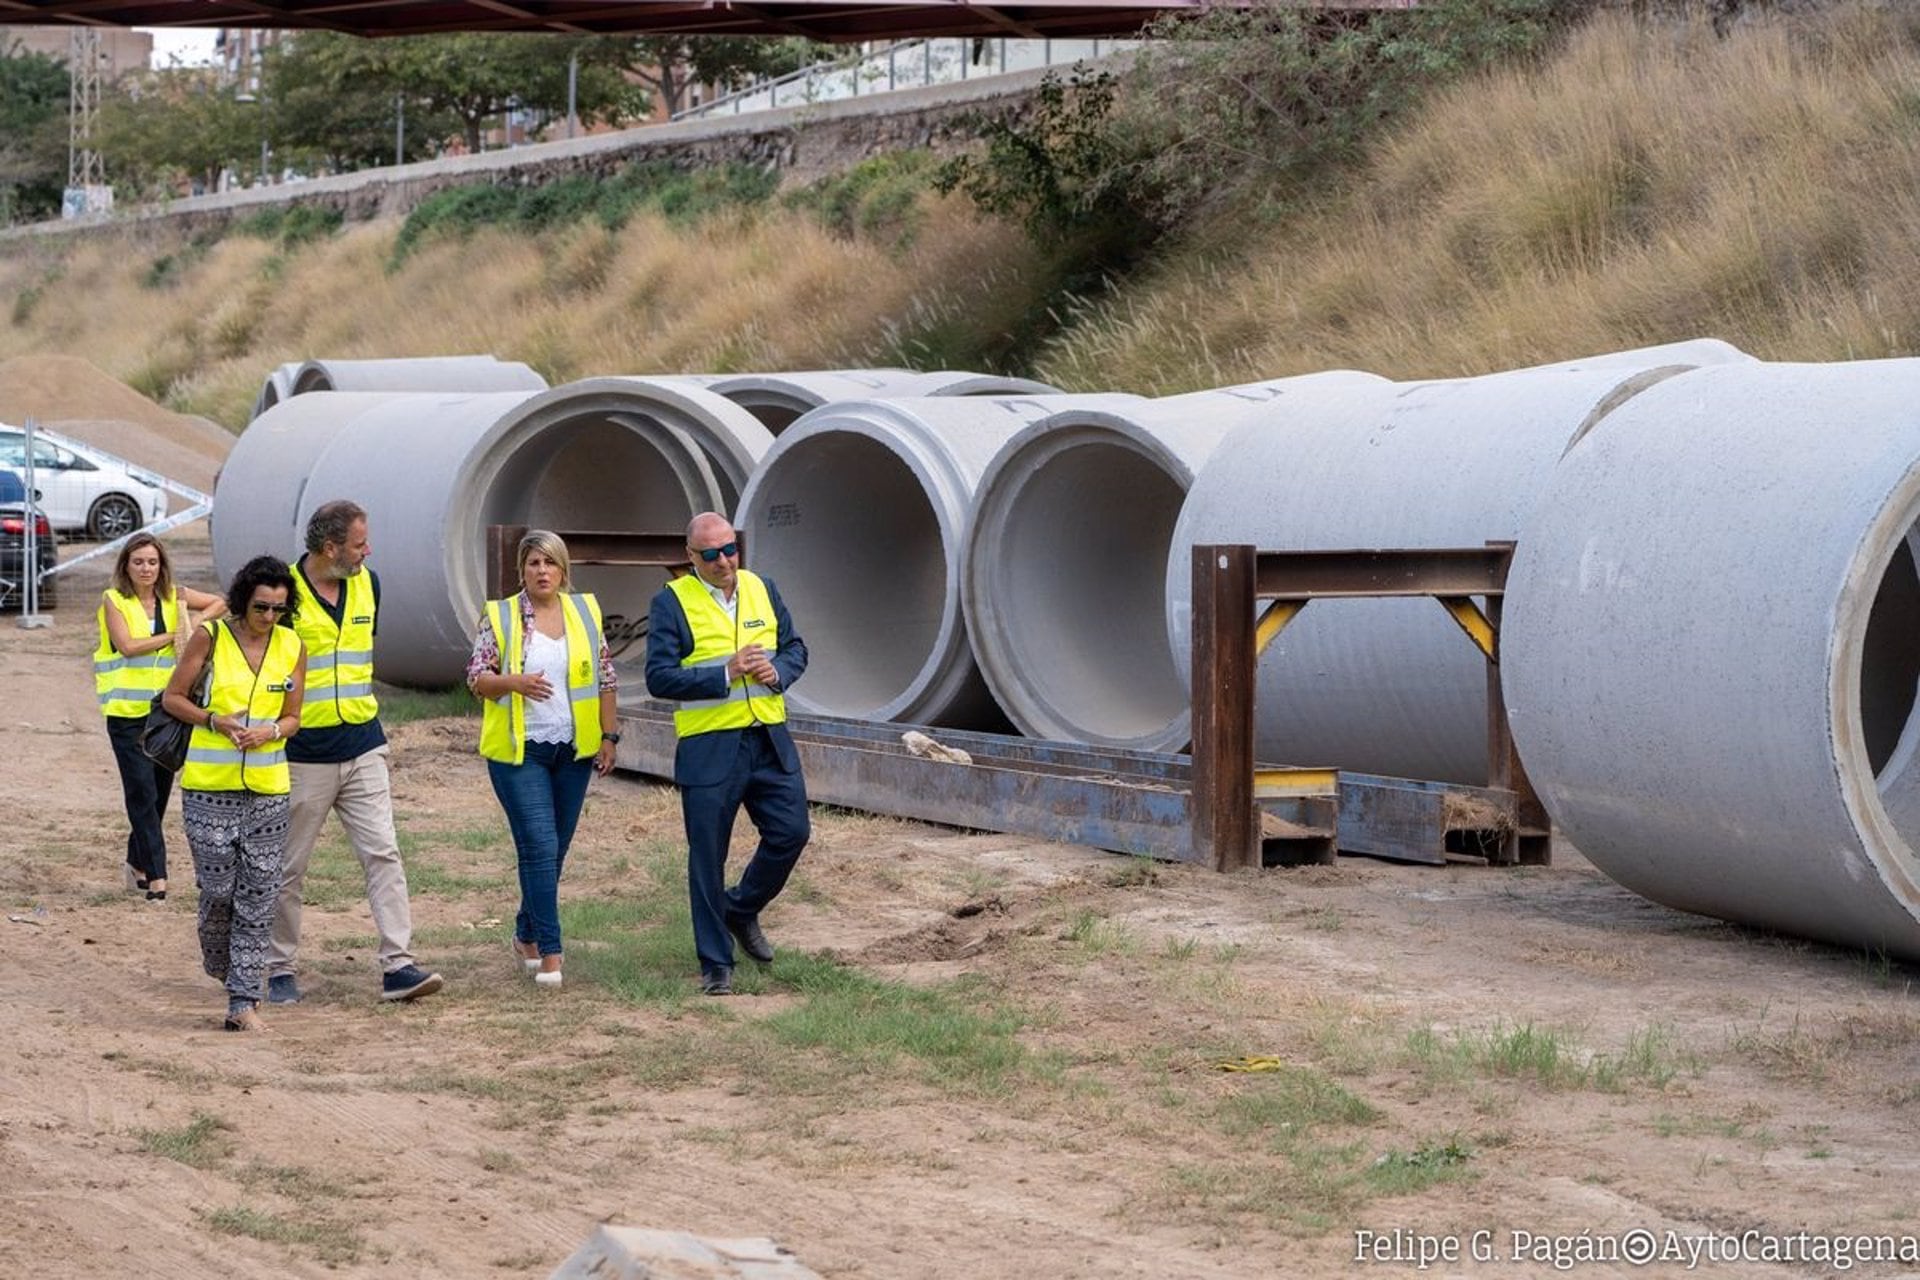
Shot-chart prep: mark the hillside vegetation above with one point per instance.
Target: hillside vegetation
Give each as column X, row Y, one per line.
column 1641, row 181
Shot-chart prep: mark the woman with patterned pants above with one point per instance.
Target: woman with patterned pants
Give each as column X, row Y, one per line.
column 236, row 780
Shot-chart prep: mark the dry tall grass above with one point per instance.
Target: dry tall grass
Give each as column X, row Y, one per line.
column 1648, row 183
column 200, row 328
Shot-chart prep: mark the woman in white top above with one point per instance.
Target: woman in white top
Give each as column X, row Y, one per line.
column 540, row 661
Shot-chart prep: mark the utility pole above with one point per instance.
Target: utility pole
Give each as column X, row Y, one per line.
column 87, row 190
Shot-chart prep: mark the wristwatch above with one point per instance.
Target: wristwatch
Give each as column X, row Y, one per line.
column 614, row 738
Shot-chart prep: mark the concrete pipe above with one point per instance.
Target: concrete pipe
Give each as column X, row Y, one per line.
column 1709, row 651
column 1073, row 522
column 426, row 373
column 277, row 387
column 777, row 399
column 860, row 513
column 1391, row 686
column 605, row 454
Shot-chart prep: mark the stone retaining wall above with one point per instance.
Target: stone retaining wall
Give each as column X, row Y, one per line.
column 803, row 143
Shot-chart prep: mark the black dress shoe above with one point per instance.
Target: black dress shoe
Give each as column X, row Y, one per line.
column 746, row 931
column 717, row 982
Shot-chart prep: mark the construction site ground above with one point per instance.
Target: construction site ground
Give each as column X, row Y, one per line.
column 976, row 1055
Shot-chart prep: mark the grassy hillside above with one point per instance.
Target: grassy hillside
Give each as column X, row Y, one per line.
column 1648, row 181
column 198, row 327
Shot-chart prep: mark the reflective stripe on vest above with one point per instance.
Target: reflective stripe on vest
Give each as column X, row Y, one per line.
column 125, row 686
column 716, row 638
column 339, row 658
column 503, row 720
column 213, row 762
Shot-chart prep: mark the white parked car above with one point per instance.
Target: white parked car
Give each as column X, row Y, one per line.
column 82, row 489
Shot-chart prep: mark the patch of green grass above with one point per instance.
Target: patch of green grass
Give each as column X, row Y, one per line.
column 681, row 196
column 882, row 198
column 1100, row 936
column 464, row 1084
column 331, row 1242
column 404, row 706
column 1650, row 1057
column 1547, row 1057
column 958, row 1033
column 298, row 1183
column 184, row 1075
column 1289, row 1103
column 1399, row 1173
column 290, row 225
column 482, row 839
column 200, row 1143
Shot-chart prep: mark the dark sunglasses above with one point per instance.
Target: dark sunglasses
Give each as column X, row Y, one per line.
column 261, row 606
column 727, row 549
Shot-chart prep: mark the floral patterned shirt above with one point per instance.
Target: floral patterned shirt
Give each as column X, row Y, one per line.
column 486, row 650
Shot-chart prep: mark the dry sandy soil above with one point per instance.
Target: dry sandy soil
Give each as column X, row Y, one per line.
column 1463, row 1050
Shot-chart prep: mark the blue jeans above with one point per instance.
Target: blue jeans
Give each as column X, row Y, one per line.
column 542, row 798
column 776, row 801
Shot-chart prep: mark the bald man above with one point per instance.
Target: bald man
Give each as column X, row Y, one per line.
column 721, row 645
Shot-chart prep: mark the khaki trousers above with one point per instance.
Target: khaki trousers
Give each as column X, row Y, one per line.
column 359, row 792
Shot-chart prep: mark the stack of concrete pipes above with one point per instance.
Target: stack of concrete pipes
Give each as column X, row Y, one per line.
column 1709, row 655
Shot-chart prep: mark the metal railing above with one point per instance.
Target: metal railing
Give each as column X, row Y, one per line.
column 909, row 64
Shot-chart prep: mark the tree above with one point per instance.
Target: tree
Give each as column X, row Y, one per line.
column 474, row 77
column 157, row 128
column 670, row 65
column 33, row 141
column 332, row 105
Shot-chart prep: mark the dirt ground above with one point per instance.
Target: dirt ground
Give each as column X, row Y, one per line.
column 1535, row 1054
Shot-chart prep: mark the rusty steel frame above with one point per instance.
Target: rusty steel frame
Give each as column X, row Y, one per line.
column 1230, row 630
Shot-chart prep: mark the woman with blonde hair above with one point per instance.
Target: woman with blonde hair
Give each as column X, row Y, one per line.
column 144, row 617
column 541, row 663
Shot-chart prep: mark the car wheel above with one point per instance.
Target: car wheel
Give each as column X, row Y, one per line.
column 113, row 516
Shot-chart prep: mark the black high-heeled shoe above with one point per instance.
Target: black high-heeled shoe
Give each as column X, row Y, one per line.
column 156, row 895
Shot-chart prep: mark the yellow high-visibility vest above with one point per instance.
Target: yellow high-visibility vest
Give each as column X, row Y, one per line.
column 503, row 720
column 716, row 637
column 339, row 658
column 213, row 762
column 125, row 686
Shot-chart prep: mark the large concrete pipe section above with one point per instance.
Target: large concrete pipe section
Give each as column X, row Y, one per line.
column 1710, row 657
column 860, row 513
column 778, row 399
column 425, row 373
column 1072, row 526
column 604, row 454
column 1391, row 686
column 278, row 386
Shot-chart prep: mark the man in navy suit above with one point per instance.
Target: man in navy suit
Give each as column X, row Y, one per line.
column 721, row 644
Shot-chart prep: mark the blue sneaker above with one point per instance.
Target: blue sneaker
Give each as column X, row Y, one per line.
column 409, row 983
column 282, row 989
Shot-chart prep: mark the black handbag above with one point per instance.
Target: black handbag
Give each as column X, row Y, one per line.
column 164, row 739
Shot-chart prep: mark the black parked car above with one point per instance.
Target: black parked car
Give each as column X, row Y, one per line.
column 14, row 514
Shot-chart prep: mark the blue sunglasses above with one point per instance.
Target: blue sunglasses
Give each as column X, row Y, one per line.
column 727, row 549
